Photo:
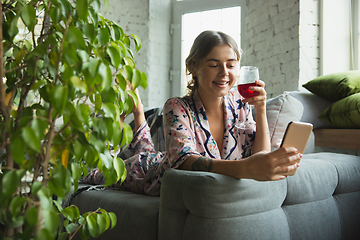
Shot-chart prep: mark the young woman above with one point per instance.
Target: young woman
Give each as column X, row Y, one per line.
column 200, row 128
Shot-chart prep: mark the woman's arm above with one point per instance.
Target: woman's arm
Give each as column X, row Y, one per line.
column 261, row 166
column 262, row 137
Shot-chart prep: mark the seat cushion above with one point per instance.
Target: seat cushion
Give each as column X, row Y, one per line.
column 137, row 215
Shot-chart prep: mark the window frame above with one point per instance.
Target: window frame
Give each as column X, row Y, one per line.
column 190, row 6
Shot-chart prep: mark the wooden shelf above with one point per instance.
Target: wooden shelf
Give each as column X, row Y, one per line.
column 337, row 138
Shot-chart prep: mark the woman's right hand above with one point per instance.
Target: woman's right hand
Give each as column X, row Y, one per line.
column 266, row 166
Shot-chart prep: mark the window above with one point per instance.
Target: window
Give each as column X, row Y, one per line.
column 191, row 17
column 340, row 38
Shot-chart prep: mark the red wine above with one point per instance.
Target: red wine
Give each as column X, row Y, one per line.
column 245, row 91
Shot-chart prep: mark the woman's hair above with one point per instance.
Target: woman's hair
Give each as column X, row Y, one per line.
column 201, row 47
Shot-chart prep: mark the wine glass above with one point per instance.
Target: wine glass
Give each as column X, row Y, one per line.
column 248, row 75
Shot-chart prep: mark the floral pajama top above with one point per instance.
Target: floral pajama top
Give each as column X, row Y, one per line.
column 187, row 132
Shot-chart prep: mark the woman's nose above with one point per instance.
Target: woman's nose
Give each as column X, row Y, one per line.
column 224, row 70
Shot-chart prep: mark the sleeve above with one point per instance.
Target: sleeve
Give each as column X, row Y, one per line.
column 142, row 141
column 179, row 132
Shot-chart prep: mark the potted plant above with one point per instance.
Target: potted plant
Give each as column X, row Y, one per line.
column 60, row 112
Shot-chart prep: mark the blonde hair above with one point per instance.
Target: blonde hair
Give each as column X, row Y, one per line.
column 202, row 46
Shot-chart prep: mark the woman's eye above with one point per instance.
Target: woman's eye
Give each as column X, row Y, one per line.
column 213, row 66
column 231, row 66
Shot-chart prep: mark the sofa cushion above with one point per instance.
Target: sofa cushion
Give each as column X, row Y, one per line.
column 137, row 214
column 313, row 107
column 335, row 86
column 344, row 113
column 280, row 111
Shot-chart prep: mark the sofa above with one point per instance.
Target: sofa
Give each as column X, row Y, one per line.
column 321, row 201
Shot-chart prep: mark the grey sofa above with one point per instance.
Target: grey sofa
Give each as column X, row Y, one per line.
column 321, row 201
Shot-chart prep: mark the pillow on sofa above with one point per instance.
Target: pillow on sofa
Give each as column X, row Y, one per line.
column 335, row 86
column 344, row 113
column 280, row 111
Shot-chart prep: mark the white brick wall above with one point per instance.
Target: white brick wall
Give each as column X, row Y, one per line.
column 281, row 38
column 150, row 20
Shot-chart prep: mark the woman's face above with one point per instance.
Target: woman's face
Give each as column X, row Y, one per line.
column 217, row 72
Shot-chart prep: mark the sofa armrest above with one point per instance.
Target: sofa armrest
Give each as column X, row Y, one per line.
column 192, row 202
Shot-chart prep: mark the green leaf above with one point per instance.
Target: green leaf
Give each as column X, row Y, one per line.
column 116, row 32
column 93, row 226
column 17, row 149
column 31, row 216
column 116, row 137
column 101, row 222
column 39, row 126
column 106, row 75
column 72, row 227
column 119, row 168
column 143, row 82
column 127, row 134
column 79, row 84
column 90, row 156
column 115, row 55
column 110, row 110
column 63, row 236
column 60, row 181
column 106, row 159
column 107, row 218
column 58, row 97
column 44, row 234
column 97, row 102
column 52, row 220
column 75, row 37
column 128, row 73
column 55, row 14
column 113, row 219
column 83, row 112
column 121, row 81
column 16, row 205
column 70, row 213
column 134, row 97
column 10, row 183
column 76, row 171
column 82, row 9
column 44, row 196
column 94, row 66
column 28, row 15
column 110, row 176
column 58, row 205
column 89, row 31
column 79, row 149
column 137, row 42
column 31, row 139
column 36, row 186
column 103, row 36
column 96, row 141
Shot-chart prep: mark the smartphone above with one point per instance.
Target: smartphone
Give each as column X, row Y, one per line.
column 296, row 135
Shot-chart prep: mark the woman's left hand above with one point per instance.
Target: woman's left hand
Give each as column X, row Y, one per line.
column 258, row 101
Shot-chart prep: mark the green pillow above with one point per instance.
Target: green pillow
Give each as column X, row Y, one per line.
column 335, row 86
column 344, row 113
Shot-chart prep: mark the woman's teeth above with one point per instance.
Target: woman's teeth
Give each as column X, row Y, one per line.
column 222, row 83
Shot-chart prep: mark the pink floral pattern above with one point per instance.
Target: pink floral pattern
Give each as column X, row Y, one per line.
column 187, row 132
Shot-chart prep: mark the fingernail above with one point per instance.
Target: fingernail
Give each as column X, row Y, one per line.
column 300, row 155
column 297, row 165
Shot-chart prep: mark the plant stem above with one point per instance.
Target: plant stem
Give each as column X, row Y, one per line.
column 2, row 86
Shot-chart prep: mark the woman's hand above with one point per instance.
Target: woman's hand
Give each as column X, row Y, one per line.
column 265, row 166
column 258, row 101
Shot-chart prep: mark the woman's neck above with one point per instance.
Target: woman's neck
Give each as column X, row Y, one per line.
column 211, row 104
